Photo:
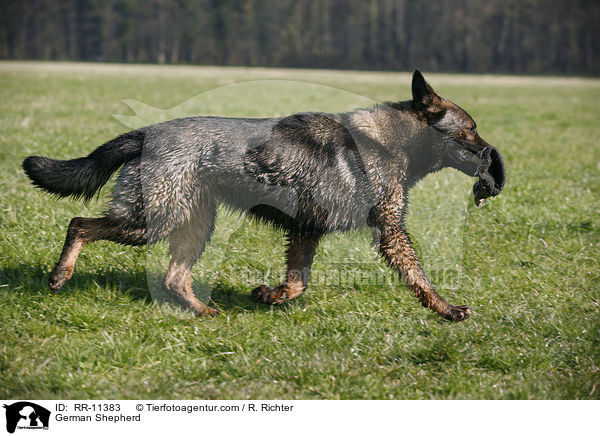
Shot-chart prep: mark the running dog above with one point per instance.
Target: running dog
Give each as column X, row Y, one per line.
column 309, row 174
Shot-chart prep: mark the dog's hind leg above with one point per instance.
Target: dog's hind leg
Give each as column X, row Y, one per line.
column 300, row 254
column 185, row 246
column 83, row 231
column 124, row 223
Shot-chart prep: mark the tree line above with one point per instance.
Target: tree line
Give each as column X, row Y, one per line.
column 516, row 36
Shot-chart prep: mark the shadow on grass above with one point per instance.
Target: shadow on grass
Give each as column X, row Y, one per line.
column 33, row 279
column 228, row 298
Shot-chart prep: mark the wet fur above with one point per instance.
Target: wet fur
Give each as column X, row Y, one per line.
column 308, row 173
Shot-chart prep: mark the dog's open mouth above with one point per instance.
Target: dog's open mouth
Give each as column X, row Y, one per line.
column 491, row 175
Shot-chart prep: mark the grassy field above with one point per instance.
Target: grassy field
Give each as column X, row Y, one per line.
column 526, row 262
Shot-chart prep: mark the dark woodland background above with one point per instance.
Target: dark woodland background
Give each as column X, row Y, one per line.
column 517, row 36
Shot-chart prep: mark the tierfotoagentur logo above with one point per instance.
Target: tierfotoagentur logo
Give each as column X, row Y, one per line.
column 24, row 415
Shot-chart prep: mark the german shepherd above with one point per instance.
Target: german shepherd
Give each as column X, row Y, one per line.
column 309, row 174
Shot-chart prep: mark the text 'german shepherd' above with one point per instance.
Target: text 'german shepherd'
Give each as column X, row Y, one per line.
column 309, row 173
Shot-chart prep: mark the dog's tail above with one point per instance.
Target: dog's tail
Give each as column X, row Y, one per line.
column 84, row 176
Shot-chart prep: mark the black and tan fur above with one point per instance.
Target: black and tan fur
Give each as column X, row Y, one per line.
column 309, row 173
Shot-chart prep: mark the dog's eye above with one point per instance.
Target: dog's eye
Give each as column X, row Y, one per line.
column 472, row 130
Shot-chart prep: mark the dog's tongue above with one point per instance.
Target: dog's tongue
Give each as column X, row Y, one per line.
column 491, row 175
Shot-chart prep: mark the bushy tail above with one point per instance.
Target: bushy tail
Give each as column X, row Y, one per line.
column 84, row 176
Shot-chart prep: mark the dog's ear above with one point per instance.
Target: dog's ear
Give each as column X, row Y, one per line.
column 424, row 97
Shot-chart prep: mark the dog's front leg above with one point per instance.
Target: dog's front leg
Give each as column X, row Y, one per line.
column 300, row 253
column 396, row 248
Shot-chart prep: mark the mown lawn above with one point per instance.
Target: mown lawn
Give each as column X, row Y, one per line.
column 526, row 262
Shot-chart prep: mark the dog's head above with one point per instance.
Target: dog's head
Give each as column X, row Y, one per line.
column 466, row 150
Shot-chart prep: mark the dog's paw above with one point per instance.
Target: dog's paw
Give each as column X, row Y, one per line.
column 458, row 313
column 207, row 312
column 58, row 277
column 269, row 295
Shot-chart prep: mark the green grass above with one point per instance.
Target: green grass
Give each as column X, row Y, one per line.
column 526, row 262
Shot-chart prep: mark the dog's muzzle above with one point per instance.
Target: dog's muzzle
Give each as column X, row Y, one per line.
column 490, row 173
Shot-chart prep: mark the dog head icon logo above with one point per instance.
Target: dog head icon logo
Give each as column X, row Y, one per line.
column 26, row 415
